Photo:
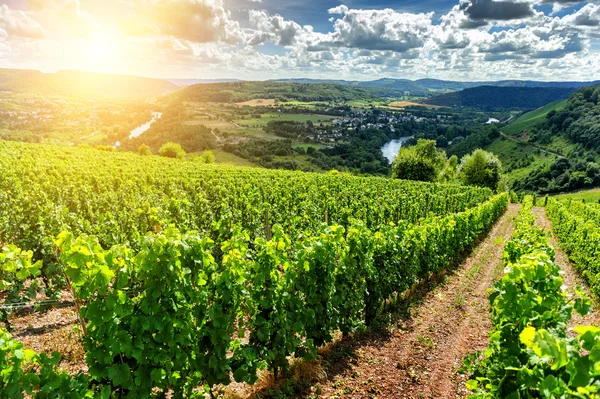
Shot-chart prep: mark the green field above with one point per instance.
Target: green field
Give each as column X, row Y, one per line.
column 266, row 118
column 588, row 196
column 534, row 117
column 306, row 146
column 223, row 157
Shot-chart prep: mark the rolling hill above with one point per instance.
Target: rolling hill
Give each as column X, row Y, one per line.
column 491, row 98
column 81, row 84
column 234, row 92
column 426, row 87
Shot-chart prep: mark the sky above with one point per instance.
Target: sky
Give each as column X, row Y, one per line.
column 463, row 40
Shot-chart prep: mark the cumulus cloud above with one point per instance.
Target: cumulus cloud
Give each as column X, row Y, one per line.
column 276, row 29
column 476, row 39
column 589, row 15
column 496, row 10
column 17, row 23
column 199, row 21
column 378, row 29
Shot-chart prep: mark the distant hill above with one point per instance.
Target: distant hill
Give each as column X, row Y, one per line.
column 427, row 87
column 235, row 92
column 491, row 98
column 189, row 82
column 81, row 84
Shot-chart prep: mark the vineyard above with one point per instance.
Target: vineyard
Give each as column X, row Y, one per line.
column 531, row 353
column 187, row 276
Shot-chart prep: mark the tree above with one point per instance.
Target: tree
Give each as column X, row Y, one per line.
column 208, row 157
column 144, row 150
column 481, row 168
column 171, row 150
column 421, row 162
column 450, row 170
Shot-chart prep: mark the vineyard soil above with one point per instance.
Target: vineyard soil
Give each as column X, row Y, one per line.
column 420, row 358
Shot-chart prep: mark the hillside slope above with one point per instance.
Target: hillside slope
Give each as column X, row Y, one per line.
column 555, row 148
column 425, row 87
column 81, row 84
column 532, row 118
column 233, row 92
column 491, row 99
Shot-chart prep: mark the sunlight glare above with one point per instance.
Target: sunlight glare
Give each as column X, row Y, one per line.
column 103, row 52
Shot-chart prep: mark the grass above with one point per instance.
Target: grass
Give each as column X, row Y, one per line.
column 589, row 196
column 96, row 139
column 367, row 103
column 534, row 117
column 253, row 132
column 211, row 123
column 223, row 157
column 512, row 153
column 266, row 118
column 306, row 146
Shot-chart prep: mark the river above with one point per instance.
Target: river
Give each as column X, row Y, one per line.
column 390, row 149
column 138, row 131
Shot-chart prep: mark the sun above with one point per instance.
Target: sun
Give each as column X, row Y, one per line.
column 103, row 51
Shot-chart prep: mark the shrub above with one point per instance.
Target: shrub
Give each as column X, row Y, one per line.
column 144, row 150
column 208, row 157
column 171, row 150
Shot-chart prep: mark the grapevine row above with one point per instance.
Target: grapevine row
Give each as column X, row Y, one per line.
column 169, row 316
column 121, row 197
column 530, row 354
column 577, row 227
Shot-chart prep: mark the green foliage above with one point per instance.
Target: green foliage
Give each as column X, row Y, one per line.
column 532, row 118
column 422, row 162
column 272, row 265
column 144, row 150
column 172, row 150
column 15, row 267
column 490, row 98
column 450, row 172
column 481, row 168
column 22, row 371
column 576, row 226
column 168, row 129
column 172, row 317
column 87, row 191
column 244, row 91
column 208, row 157
column 530, row 354
column 580, row 118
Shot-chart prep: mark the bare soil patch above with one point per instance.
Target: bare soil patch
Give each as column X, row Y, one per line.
column 404, row 104
column 259, row 102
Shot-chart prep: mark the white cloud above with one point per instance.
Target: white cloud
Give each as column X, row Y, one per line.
column 17, row 23
column 476, row 40
column 199, row 21
column 378, row 29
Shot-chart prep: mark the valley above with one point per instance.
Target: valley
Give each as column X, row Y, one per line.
column 266, row 239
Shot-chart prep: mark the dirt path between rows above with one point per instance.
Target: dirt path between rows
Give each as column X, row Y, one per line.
column 420, row 357
column 571, row 276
